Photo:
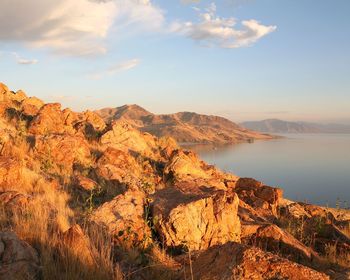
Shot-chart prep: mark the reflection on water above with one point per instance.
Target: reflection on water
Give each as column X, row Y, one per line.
column 309, row 167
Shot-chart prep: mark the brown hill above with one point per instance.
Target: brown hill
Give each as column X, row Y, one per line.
column 82, row 199
column 184, row 127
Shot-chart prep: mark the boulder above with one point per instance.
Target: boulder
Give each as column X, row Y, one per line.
column 62, row 150
column 274, row 239
column 18, row 260
column 124, row 218
column 95, row 120
column 85, row 183
column 236, row 261
column 31, row 106
column 196, row 221
column 184, row 165
column 263, row 199
column 118, row 165
column 123, row 136
column 49, row 120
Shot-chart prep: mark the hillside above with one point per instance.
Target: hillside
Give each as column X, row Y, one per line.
column 280, row 126
column 83, row 199
column 184, row 127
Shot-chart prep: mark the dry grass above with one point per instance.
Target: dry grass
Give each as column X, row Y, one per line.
column 41, row 223
column 336, row 256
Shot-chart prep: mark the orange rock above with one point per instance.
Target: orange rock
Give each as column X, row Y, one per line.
column 10, row 172
column 18, row 260
column 124, row 218
column 236, row 261
column 196, row 221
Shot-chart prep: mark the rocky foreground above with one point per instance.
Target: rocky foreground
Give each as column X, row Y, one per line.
column 82, row 199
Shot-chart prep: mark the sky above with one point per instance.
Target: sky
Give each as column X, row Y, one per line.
column 241, row 59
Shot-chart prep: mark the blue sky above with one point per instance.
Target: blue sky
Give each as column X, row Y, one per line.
column 242, row 59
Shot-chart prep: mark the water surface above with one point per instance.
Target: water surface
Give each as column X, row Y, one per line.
column 309, row 167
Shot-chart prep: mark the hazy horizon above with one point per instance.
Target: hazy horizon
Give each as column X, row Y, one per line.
column 240, row 59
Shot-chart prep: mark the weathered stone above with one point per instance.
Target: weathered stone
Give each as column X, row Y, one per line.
column 18, row 260
column 85, row 183
column 196, row 221
column 63, row 150
column 263, row 199
column 49, row 120
column 236, row 261
column 125, row 218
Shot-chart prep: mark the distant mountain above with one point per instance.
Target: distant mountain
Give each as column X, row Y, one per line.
column 185, row 127
column 280, row 126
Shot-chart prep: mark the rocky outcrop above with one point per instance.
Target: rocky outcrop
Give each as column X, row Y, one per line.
column 125, row 218
column 262, row 198
column 63, row 150
column 195, row 221
column 18, row 260
column 276, row 240
column 236, row 261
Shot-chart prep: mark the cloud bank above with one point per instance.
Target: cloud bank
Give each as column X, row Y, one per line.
column 78, row 27
column 211, row 30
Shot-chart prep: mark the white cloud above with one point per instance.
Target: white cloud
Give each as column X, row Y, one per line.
column 115, row 69
column 212, row 30
column 24, row 61
column 78, row 27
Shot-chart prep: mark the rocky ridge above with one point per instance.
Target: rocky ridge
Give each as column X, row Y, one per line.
column 85, row 199
column 184, row 127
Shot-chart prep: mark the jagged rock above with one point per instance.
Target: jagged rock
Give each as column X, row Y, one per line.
column 274, row 239
column 18, row 260
column 263, row 199
column 236, row 261
column 184, row 165
column 123, row 137
column 95, row 120
column 85, row 183
column 125, row 218
column 63, row 150
column 78, row 244
column 117, row 165
column 10, row 172
column 196, row 221
column 3, row 88
column 31, row 106
column 48, row 120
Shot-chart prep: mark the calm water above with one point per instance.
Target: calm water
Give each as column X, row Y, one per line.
column 309, row 167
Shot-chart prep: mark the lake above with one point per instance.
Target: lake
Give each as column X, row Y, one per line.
column 309, row 167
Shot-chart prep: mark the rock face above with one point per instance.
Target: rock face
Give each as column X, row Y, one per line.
column 124, row 218
column 262, row 198
column 18, row 260
column 236, row 261
column 185, row 127
column 196, row 221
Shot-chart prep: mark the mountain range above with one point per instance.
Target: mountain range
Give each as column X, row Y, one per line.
column 184, row 127
column 281, row 126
